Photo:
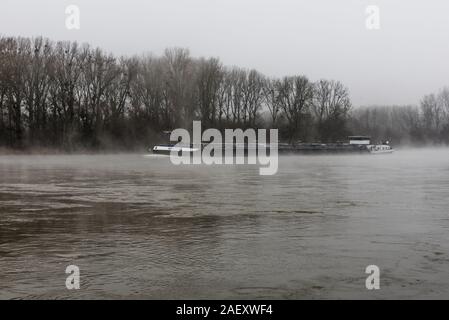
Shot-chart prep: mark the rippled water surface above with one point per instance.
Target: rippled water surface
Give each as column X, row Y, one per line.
column 139, row 227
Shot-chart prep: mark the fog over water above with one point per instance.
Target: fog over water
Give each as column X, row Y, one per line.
column 139, row 227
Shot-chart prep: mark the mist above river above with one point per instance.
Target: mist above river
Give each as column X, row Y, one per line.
column 140, row 227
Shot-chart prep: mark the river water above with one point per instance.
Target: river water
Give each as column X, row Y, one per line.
column 141, row 228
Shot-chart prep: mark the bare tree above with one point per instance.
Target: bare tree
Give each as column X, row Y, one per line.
column 432, row 115
column 295, row 98
column 147, row 94
column 331, row 106
column 209, row 81
column 179, row 86
column 271, row 99
column 224, row 99
column 253, row 94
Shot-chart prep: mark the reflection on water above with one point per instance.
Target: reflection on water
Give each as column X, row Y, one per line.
column 139, row 227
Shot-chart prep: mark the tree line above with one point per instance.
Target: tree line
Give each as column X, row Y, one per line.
column 71, row 96
column 427, row 123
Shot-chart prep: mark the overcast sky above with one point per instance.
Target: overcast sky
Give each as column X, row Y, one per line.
column 397, row 64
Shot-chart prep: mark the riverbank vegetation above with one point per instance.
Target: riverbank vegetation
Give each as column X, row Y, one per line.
column 66, row 96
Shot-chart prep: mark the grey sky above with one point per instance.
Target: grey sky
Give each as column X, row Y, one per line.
column 407, row 58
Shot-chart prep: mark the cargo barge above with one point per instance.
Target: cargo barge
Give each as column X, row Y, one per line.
column 356, row 144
